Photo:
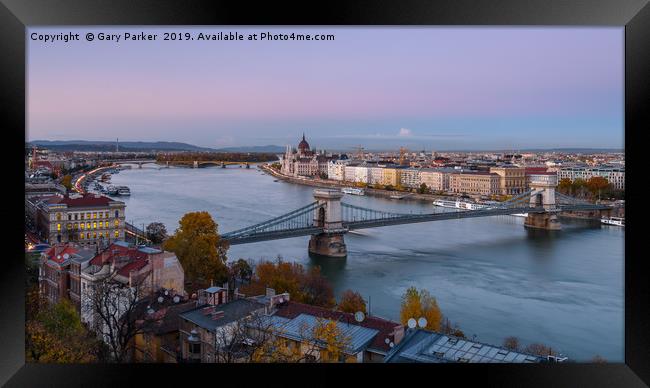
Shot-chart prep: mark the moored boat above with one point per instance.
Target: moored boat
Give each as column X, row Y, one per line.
column 353, row 191
column 615, row 221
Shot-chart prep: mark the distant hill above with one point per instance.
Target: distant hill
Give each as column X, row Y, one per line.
column 267, row 148
column 134, row 146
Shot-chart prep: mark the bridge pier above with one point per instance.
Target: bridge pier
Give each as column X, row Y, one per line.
column 328, row 215
column 328, row 245
column 546, row 221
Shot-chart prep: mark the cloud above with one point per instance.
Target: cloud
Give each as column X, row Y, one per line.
column 403, row 132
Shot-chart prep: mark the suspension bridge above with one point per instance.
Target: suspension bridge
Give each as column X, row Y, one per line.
column 327, row 219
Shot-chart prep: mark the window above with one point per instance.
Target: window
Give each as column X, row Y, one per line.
column 87, row 225
column 58, row 227
column 88, row 235
column 69, row 226
column 76, row 216
column 100, row 215
column 94, row 234
column 117, row 223
column 95, row 215
column 69, row 217
column 117, row 214
column 94, row 225
column 82, row 225
column 117, row 234
column 76, row 225
column 81, row 236
column 88, row 215
column 58, row 216
column 195, row 348
column 106, row 215
column 82, row 216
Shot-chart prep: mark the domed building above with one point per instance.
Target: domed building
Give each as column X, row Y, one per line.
column 303, row 161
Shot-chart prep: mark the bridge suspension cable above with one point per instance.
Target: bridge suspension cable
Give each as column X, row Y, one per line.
column 298, row 219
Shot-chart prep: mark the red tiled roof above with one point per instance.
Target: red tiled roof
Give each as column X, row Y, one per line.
column 535, row 170
column 133, row 266
column 384, row 326
column 108, row 254
column 56, row 252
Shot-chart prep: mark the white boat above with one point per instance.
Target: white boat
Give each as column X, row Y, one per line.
column 123, row 190
column 353, row 191
column 459, row 204
column 616, row 221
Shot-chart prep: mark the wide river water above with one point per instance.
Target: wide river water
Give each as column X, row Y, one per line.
column 490, row 275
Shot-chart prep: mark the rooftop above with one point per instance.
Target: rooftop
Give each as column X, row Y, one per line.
column 232, row 311
column 301, row 328
column 385, row 328
column 426, row 346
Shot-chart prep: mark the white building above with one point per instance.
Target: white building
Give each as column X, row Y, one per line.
column 614, row 175
column 336, row 169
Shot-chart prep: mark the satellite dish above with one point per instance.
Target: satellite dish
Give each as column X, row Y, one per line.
column 66, row 256
column 387, row 340
column 359, row 316
column 58, row 256
column 177, row 299
column 391, row 345
column 281, row 300
column 411, row 323
column 422, row 322
column 166, row 292
column 160, row 299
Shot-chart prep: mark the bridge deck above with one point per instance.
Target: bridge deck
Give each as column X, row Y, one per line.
column 235, row 238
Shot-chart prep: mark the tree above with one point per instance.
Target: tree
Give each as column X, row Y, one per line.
column 309, row 287
column 565, row 186
column 423, row 189
column 351, row 302
column 200, row 249
column 327, row 333
column 242, row 270
column 115, row 313
column 55, row 334
column 66, row 181
column 316, row 290
column 156, row 232
column 539, row 350
column 417, row 304
column 446, row 327
column 596, row 184
column 578, row 187
column 511, row 343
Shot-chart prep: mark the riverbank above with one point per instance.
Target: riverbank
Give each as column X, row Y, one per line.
column 322, row 183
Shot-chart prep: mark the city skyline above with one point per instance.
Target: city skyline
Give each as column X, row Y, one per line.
column 476, row 89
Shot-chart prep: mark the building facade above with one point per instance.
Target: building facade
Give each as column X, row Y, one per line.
column 88, row 219
column 303, row 161
column 474, row 183
column 614, row 175
column 512, row 179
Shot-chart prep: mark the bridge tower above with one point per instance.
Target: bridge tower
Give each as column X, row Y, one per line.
column 328, row 216
column 543, row 195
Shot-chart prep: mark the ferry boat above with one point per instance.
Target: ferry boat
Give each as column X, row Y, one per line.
column 616, row 221
column 459, row 204
column 123, row 190
column 111, row 190
column 353, row 191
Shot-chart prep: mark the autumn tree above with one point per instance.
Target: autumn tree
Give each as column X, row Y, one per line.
column 512, row 343
column 423, row 189
column 327, row 334
column 539, row 350
column 309, row 287
column 242, row 270
column 596, row 184
column 416, row 304
column 66, row 181
column 316, row 290
column 200, row 249
column 156, row 232
column 449, row 328
column 351, row 302
column 565, row 186
column 55, row 334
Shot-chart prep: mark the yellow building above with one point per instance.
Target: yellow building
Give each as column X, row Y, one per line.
column 390, row 176
column 512, row 179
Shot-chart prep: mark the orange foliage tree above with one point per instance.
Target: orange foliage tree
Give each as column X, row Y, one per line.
column 351, row 302
column 417, row 304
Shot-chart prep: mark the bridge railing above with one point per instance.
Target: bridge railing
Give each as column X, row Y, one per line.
column 298, row 219
column 352, row 213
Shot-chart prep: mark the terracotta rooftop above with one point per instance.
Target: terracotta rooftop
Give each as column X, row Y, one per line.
column 87, row 200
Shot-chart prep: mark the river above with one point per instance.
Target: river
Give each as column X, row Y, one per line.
column 491, row 276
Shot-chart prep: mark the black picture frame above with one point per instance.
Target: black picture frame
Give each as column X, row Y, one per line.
column 17, row 15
